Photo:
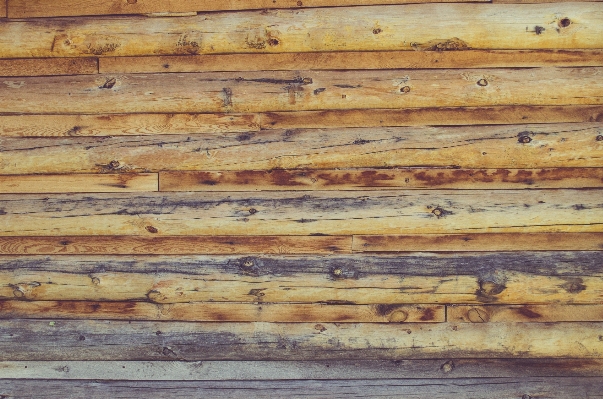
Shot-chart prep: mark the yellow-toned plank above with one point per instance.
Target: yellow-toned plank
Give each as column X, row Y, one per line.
column 138, row 340
column 53, row 8
column 525, row 313
column 351, row 179
column 479, row 242
column 124, row 124
column 262, row 312
column 298, row 213
column 300, row 90
column 549, row 146
column 99, row 183
column 432, row 116
column 411, row 278
column 352, row 60
column 376, row 28
column 48, row 67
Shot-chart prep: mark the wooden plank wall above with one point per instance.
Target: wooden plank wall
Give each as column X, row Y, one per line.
column 301, row 198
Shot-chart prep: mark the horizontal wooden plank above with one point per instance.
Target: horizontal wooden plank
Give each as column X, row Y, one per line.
column 300, row 370
column 298, row 213
column 351, row 179
column 222, row 312
column 48, row 67
column 54, row 8
column 479, row 242
column 352, row 60
column 124, row 124
column 471, row 147
column 388, row 27
column 499, row 277
column 180, row 245
column 98, row 183
column 524, row 313
column 61, row 340
column 555, row 388
column 301, row 90
column 500, row 115
column 3, row 8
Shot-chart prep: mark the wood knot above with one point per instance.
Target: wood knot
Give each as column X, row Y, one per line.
column 405, row 89
column 398, row 316
column 114, row 164
column 376, row 31
column 151, row 229
column 447, row 367
column 565, row 22
column 95, row 280
column 599, row 138
column 109, row 83
column 482, row 82
column 18, row 292
column 476, row 315
column 524, row 139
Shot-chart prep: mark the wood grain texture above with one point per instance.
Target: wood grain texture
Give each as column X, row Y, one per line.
column 298, row 213
column 124, row 124
column 555, row 388
column 60, row 340
column 221, row 312
column 99, row 183
column 525, row 313
column 3, row 8
column 54, row 8
column 300, row 90
column 489, row 242
column 499, row 115
column 48, row 67
column 376, row 28
column 352, row 60
column 471, row 147
column 351, row 179
column 502, row 278
column 182, row 245
column 300, row 370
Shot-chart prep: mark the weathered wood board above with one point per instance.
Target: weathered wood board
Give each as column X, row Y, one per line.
column 48, row 67
column 523, row 313
column 79, row 183
column 60, row 340
column 501, row 278
column 393, row 27
column 300, row 90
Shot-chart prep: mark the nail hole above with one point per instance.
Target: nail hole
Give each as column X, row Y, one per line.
column 565, row 22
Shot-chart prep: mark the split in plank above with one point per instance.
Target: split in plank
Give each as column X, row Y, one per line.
column 525, row 313
column 465, row 388
column 352, row 179
column 374, row 28
column 179, row 245
column 470, row 147
column 61, row 340
column 79, row 183
column 301, row 370
column 127, row 124
column 488, row 242
column 301, row 90
column 353, row 60
column 47, row 67
column 224, row 312
column 385, row 280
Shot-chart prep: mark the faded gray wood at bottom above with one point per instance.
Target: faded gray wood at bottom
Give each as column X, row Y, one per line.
column 500, row 388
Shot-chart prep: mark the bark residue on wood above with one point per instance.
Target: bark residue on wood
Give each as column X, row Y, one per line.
column 453, row 44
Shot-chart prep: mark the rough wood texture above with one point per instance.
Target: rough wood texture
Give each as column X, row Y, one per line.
column 60, row 340
column 472, row 147
column 302, row 370
column 298, row 213
column 554, row 388
column 100, row 183
column 48, row 67
column 507, row 278
column 54, row 8
column 183, row 245
column 500, row 115
column 3, row 8
column 479, row 242
column 124, row 124
column 264, row 312
column 301, row 90
column 524, row 313
column 394, row 27
column 352, row 60
column 350, row 179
